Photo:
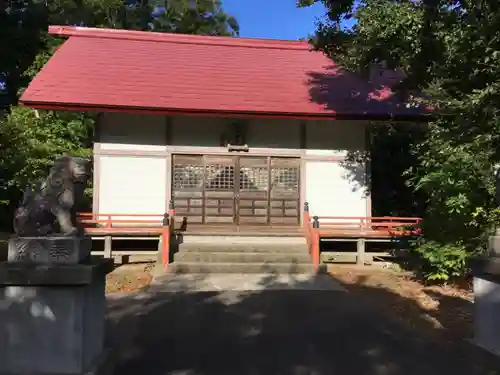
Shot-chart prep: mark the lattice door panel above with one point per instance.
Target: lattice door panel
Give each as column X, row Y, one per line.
column 220, row 189
column 187, row 187
column 253, row 191
column 285, row 191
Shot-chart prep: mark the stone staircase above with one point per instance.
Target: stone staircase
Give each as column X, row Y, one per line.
column 212, row 254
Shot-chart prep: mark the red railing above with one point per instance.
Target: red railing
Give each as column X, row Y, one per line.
column 312, row 236
column 109, row 224
column 375, row 226
column 361, row 227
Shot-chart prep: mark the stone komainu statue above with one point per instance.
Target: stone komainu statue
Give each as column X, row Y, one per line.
column 50, row 209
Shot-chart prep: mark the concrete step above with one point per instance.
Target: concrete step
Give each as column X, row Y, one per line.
column 243, row 240
column 243, row 257
column 228, row 233
column 219, row 268
column 243, row 248
column 244, row 283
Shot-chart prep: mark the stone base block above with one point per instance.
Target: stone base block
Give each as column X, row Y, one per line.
column 53, row 275
column 52, row 317
column 487, row 313
column 494, row 246
column 51, row 330
column 54, row 250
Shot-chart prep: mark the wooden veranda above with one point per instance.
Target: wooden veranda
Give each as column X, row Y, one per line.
column 113, row 226
column 359, row 229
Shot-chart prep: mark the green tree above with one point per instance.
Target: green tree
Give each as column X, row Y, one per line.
column 449, row 54
column 30, row 139
column 205, row 17
column 21, row 28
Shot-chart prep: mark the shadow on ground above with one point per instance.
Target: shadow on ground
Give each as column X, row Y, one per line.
column 287, row 332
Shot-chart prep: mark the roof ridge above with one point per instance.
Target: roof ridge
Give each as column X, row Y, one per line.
column 93, row 32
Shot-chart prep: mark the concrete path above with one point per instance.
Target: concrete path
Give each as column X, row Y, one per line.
column 277, row 331
column 244, row 282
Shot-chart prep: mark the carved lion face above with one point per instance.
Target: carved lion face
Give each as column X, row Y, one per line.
column 80, row 168
column 74, row 168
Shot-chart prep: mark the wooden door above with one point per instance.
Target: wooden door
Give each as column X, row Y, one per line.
column 236, row 190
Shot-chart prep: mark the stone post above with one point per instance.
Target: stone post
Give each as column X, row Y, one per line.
column 486, row 283
column 52, row 307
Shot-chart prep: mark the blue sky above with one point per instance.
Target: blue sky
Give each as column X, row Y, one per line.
column 273, row 19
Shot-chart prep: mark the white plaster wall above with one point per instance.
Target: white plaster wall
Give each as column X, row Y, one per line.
column 261, row 133
column 132, row 185
column 274, row 133
column 334, row 138
column 336, row 188
column 332, row 190
column 132, row 132
column 197, row 131
column 331, row 187
column 123, row 131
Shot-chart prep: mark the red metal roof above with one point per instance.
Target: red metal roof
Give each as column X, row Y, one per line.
column 124, row 70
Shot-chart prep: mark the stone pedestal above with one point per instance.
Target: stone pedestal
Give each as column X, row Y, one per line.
column 487, row 313
column 486, row 272
column 52, row 312
column 494, row 246
column 53, row 250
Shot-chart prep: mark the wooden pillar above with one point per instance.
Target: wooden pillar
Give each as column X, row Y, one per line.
column 171, row 207
column 306, row 219
column 315, row 242
column 361, row 247
column 165, row 242
column 108, row 247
